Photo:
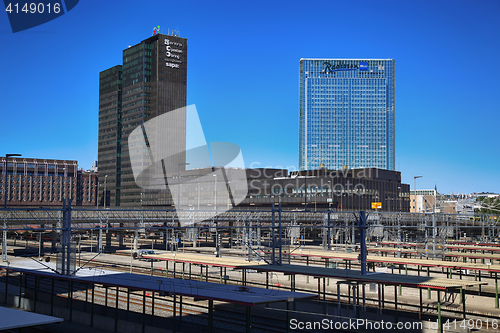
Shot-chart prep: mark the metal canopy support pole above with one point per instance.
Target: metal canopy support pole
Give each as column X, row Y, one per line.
column 428, row 289
column 128, row 299
column 380, row 298
column 362, row 235
column 143, row 311
column 462, row 298
column 383, row 296
column 479, row 285
column 324, row 291
column 180, row 312
column 174, row 312
column 364, row 297
column 4, row 238
column 52, row 299
column 36, row 293
column 211, row 315
column 20, row 289
column 496, row 290
column 116, row 308
column 6, row 284
column 91, row 308
column 70, row 294
column 353, row 298
column 267, row 280
column 357, row 293
column 249, row 320
column 440, row 321
column 307, row 263
column 287, row 316
column 396, row 301
column 338, row 299
column 152, row 306
column 421, row 304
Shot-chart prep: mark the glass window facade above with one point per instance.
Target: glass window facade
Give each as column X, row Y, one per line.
column 347, row 113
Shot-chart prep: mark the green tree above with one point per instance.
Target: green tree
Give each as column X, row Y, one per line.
column 489, row 205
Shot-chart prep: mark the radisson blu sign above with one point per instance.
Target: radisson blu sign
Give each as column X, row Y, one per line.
column 343, row 66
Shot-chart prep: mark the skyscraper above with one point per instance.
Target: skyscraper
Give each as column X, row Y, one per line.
column 347, row 113
column 151, row 82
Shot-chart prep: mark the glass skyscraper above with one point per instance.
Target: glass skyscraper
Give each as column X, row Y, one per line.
column 347, row 113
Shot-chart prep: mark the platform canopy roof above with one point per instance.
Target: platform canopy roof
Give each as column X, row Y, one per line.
column 249, row 296
column 11, row 319
column 345, row 274
column 401, row 261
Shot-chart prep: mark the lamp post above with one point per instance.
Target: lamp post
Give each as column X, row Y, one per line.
column 105, row 183
column 415, row 189
column 179, row 183
column 199, row 195
column 6, row 166
column 399, row 199
column 215, row 190
column 305, row 188
column 63, row 184
column 331, row 190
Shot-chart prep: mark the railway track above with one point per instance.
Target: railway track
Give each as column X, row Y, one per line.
column 330, row 297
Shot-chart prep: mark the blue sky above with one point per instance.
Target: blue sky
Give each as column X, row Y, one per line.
column 243, row 63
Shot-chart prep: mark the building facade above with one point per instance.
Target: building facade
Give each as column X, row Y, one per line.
column 425, row 201
column 28, row 182
column 347, row 113
column 151, row 82
column 342, row 190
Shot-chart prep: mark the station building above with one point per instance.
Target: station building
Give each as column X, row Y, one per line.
column 341, row 190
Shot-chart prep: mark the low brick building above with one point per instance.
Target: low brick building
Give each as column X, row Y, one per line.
column 29, row 182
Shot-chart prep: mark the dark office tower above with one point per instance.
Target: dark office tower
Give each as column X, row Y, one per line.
column 110, row 108
column 153, row 82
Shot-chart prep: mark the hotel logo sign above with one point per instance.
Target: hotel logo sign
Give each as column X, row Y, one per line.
column 344, row 66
